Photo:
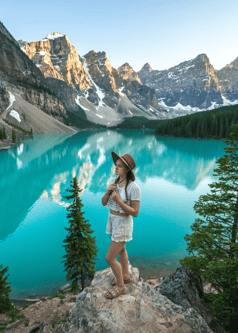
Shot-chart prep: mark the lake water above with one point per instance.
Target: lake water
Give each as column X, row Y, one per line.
column 171, row 172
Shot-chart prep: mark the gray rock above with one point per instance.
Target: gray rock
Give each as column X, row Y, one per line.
column 186, row 289
column 12, row 327
column 139, row 309
column 41, row 327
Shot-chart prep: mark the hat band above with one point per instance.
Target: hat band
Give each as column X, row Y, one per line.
column 127, row 163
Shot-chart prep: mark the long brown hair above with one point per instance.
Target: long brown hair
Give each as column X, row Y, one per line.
column 128, row 177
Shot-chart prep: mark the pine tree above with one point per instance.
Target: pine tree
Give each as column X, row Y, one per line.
column 4, row 133
column 214, row 241
column 5, row 302
column 1, row 134
column 80, row 246
column 13, row 135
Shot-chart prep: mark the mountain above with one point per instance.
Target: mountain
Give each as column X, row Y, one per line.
column 26, row 99
column 90, row 83
column 228, row 81
column 193, row 85
column 107, row 95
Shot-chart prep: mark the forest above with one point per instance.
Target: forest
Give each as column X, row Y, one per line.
column 215, row 124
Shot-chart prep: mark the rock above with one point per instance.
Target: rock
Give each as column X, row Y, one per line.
column 68, row 299
column 12, row 327
column 140, row 309
column 186, row 289
column 64, row 289
column 41, row 327
column 4, row 319
column 128, row 73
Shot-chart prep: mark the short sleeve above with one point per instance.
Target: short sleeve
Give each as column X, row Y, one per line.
column 110, row 182
column 135, row 192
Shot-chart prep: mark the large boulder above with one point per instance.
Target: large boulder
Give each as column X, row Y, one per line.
column 140, row 309
column 185, row 288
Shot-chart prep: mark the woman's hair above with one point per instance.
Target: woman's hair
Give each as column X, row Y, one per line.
column 128, row 177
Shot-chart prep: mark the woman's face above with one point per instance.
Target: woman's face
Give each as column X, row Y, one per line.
column 120, row 169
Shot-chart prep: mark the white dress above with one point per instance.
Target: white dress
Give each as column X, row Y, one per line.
column 121, row 227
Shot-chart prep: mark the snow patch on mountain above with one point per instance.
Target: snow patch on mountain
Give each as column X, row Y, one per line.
column 99, row 92
column 12, row 99
column 227, row 102
column 15, row 115
column 54, row 35
column 78, row 102
column 120, row 91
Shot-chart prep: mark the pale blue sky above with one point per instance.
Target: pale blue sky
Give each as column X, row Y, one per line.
column 162, row 33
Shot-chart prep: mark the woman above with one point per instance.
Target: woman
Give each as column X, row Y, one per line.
column 123, row 198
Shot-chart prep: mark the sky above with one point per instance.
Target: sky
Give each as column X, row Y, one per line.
column 162, row 33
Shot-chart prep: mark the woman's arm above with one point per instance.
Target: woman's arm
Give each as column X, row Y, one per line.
column 105, row 198
column 131, row 210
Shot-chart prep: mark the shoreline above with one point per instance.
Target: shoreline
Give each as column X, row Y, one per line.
column 145, row 273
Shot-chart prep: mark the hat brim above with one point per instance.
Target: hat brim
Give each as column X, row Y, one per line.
column 115, row 157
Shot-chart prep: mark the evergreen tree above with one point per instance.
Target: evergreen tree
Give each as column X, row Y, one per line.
column 80, row 246
column 5, row 302
column 1, row 134
column 221, row 130
column 4, row 133
column 13, row 135
column 215, row 238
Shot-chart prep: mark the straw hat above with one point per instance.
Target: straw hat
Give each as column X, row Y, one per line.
column 126, row 159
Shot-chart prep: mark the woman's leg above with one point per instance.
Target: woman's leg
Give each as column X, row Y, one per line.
column 114, row 249
column 124, row 263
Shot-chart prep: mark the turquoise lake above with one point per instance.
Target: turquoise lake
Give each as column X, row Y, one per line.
column 171, row 172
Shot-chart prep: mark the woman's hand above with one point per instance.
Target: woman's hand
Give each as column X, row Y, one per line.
column 112, row 187
column 115, row 196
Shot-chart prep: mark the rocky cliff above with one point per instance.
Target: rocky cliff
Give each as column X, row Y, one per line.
column 22, row 82
column 228, row 81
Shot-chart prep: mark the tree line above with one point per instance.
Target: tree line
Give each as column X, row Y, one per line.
column 205, row 125
column 14, row 138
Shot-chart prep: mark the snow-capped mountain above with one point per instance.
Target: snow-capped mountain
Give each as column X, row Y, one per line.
column 193, row 85
column 90, row 82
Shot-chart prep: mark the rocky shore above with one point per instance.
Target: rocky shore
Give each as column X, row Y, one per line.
column 172, row 304
column 8, row 144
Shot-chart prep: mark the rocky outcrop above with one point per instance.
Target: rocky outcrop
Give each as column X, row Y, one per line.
column 140, row 309
column 19, row 72
column 57, row 58
column 7, row 34
column 175, row 305
column 228, row 80
column 104, row 78
column 127, row 73
column 186, row 289
column 140, row 94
